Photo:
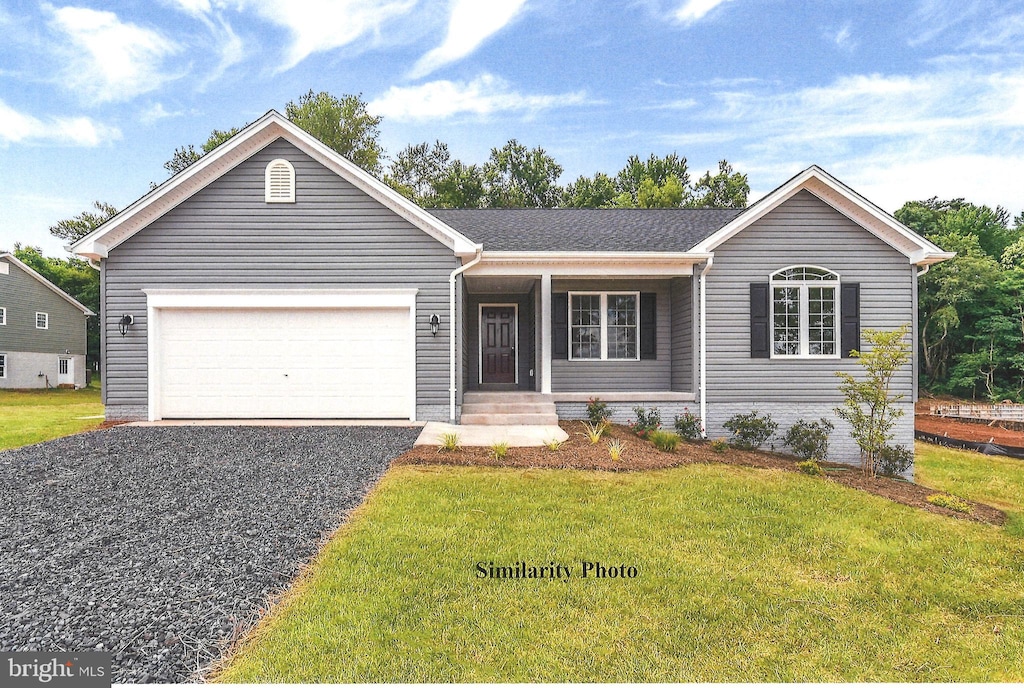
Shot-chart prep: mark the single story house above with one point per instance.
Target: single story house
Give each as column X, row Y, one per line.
column 42, row 330
column 275, row 279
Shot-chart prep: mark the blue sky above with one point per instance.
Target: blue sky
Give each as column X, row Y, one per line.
column 902, row 100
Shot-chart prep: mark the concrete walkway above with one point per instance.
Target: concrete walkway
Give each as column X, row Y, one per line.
column 280, row 423
column 486, row 435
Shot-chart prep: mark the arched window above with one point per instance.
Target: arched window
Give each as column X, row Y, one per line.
column 280, row 182
column 805, row 312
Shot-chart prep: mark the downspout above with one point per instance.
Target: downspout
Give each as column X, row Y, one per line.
column 704, row 347
column 924, row 269
column 451, row 328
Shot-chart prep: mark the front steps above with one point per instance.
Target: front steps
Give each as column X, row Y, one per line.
column 508, row 408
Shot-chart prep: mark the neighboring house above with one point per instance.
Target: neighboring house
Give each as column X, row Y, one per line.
column 273, row 278
column 42, row 330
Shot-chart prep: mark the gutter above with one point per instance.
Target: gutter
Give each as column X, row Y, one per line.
column 451, row 327
column 704, row 347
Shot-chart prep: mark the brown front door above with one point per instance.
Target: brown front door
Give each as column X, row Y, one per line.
column 498, row 344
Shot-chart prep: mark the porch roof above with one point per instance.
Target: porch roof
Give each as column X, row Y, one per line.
column 673, row 230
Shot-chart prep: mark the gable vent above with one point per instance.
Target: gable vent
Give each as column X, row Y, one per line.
column 280, row 182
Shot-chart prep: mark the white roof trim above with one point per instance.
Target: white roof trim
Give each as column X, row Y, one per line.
column 240, row 147
column 845, row 200
column 47, row 283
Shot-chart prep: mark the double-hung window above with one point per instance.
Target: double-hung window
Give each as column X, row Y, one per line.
column 42, row 321
column 3, row 366
column 805, row 312
column 604, row 325
column 3, row 316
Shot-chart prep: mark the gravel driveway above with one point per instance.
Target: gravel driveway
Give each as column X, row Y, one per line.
column 158, row 544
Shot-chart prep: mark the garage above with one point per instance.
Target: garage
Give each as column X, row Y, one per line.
column 336, row 355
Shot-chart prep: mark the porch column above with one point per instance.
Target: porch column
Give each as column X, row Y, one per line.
column 545, row 333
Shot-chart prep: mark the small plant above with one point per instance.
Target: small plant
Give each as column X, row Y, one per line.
column 809, row 441
column 450, row 442
column 810, row 467
column 499, row 450
column 948, row 501
column 598, row 411
column 749, row 430
column 646, row 421
column 615, row 449
column 893, row 459
column 594, row 431
column 688, row 426
column 553, row 444
column 665, row 441
column 719, row 445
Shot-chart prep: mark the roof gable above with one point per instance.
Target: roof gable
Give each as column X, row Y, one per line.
column 239, row 148
column 45, row 282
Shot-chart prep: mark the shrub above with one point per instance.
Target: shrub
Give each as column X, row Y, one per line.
column 948, row 501
column 893, row 459
column 615, row 449
column 594, row 431
column 749, row 430
column 810, row 467
column 598, row 411
column 449, row 442
column 719, row 445
column 809, row 441
column 553, row 444
column 646, row 421
column 665, row 441
column 499, row 450
column 688, row 426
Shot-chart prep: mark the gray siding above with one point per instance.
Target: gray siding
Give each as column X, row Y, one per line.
column 682, row 334
column 333, row 237
column 802, row 231
column 619, row 376
column 22, row 295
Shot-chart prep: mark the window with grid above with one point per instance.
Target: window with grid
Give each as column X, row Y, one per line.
column 42, row 321
column 3, row 316
column 585, row 326
column 604, row 326
column 3, row 366
column 805, row 312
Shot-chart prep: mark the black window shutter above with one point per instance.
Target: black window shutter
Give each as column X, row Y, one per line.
column 560, row 326
column 849, row 304
column 760, row 319
column 648, row 326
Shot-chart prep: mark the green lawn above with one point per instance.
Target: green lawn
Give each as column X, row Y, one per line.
column 745, row 575
column 39, row 415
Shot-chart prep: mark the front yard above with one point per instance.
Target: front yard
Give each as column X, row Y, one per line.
column 40, row 415
column 744, row 574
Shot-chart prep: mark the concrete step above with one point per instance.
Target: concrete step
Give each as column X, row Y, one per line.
column 509, row 418
column 504, row 397
column 509, row 407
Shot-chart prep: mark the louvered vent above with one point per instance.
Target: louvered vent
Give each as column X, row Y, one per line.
column 280, row 182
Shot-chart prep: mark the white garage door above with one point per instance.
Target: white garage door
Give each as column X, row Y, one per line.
column 285, row 363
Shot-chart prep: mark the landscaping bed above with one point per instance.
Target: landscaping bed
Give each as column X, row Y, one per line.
column 579, row 453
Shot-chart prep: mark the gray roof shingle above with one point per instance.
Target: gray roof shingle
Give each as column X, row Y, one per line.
column 586, row 229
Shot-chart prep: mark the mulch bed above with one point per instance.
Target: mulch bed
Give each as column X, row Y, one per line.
column 578, row 453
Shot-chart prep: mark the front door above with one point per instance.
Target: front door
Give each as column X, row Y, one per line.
column 498, row 344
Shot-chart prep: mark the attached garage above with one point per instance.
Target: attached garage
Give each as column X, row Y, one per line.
column 338, row 354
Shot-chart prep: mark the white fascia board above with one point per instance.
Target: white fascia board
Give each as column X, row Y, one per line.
column 596, row 263
column 281, row 298
column 240, row 147
column 47, row 283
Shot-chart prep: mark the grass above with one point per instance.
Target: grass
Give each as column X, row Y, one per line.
column 994, row 480
column 40, row 415
column 744, row 575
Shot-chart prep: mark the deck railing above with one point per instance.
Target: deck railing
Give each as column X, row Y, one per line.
column 1010, row 412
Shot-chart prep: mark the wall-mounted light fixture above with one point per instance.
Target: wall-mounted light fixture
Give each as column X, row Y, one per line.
column 124, row 323
column 435, row 324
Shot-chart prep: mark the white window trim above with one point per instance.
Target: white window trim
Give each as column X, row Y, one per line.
column 604, row 323
column 3, row 366
column 290, row 198
column 46, row 320
column 3, row 316
column 805, row 316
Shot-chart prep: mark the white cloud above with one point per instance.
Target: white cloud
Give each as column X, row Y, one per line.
column 319, row 25
column 485, row 95
column 17, row 127
column 471, row 23
column 155, row 113
column 107, row 59
column 842, row 38
column 694, row 10
column 197, row 8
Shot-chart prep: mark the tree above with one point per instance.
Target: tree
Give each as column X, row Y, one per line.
column 73, row 229
column 869, row 404
column 462, row 186
column 590, row 192
column 186, row 155
column 517, row 177
column 417, row 169
column 727, row 189
column 342, row 124
column 630, row 178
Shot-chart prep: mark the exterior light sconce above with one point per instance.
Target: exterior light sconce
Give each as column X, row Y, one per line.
column 435, row 324
column 124, row 323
